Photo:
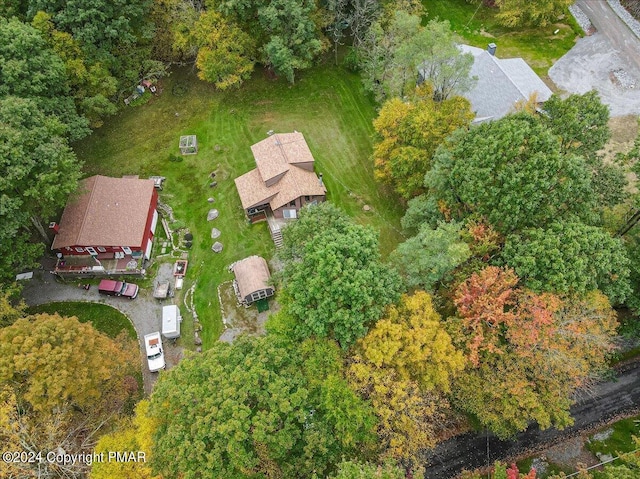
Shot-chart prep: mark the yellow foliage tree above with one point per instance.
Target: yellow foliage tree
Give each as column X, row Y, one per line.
column 412, row 339
column 133, row 435
column 55, row 361
column 403, row 366
column 409, row 132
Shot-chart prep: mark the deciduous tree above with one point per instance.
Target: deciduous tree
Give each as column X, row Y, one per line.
column 425, row 259
column 442, row 63
column 32, row 70
column 409, row 133
column 287, row 32
column 570, row 257
column 39, row 171
column 250, row 409
column 580, row 121
column 528, row 353
column 62, row 384
column 53, row 361
column 519, row 13
column 225, row 56
column 394, row 51
column 333, row 281
column 402, row 366
column 133, row 434
column 513, row 172
column 358, row 470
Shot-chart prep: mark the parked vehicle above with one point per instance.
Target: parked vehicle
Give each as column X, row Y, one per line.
column 171, row 320
column 155, row 356
column 118, row 288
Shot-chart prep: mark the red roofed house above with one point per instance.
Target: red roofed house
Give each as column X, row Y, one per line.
column 108, row 227
column 284, row 180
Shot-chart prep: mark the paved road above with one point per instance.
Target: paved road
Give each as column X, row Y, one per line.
column 597, row 62
column 470, row 451
column 607, row 22
column 144, row 312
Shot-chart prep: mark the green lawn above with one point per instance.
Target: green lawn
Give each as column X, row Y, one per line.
column 327, row 104
column 103, row 317
column 540, row 47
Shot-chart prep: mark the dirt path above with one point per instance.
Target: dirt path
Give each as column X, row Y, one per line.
column 608, row 401
column 144, row 312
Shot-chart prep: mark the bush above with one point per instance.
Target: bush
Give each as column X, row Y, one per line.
column 175, row 158
column 351, row 60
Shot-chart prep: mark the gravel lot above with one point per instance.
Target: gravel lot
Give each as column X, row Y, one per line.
column 145, row 312
column 593, row 64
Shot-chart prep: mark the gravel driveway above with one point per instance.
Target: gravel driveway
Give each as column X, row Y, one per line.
column 145, row 312
column 608, row 61
column 592, row 64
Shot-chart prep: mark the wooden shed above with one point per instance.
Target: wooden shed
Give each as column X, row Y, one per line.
column 252, row 280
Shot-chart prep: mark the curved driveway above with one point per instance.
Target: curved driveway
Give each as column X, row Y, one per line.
column 144, row 312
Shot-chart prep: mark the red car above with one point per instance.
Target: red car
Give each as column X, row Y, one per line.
column 118, row 288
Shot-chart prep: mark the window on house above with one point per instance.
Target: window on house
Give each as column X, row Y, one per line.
column 289, row 214
column 79, row 250
column 126, row 250
column 293, row 203
column 102, row 249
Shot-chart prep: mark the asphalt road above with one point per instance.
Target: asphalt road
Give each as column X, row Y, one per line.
column 607, row 401
column 144, row 312
column 607, row 22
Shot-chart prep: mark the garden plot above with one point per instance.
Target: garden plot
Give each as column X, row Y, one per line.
column 237, row 318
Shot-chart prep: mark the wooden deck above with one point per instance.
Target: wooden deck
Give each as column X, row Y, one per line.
column 87, row 265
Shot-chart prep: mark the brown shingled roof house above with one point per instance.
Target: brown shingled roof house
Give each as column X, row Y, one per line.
column 284, row 180
column 252, row 280
column 108, row 226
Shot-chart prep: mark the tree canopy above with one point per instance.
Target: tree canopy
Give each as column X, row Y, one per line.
column 527, row 352
column 39, row 172
column 287, row 32
column 403, row 365
column 32, row 70
column 513, row 172
column 570, row 257
column 409, row 133
column 394, row 51
column 257, row 407
column 522, row 13
column 333, row 281
column 61, row 383
column 426, row 258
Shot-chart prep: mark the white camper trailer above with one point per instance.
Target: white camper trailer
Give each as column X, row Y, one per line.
column 171, row 321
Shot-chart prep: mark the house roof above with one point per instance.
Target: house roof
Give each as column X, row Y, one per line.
column 501, row 83
column 106, row 212
column 281, row 159
column 252, row 274
column 274, row 154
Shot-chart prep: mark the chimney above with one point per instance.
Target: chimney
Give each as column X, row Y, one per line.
column 55, row 227
column 491, row 48
column 320, row 179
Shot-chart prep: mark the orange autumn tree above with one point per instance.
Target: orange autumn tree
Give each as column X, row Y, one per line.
column 527, row 352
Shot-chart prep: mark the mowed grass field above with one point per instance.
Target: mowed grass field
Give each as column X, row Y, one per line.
column 104, row 318
column 476, row 23
column 326, row 104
